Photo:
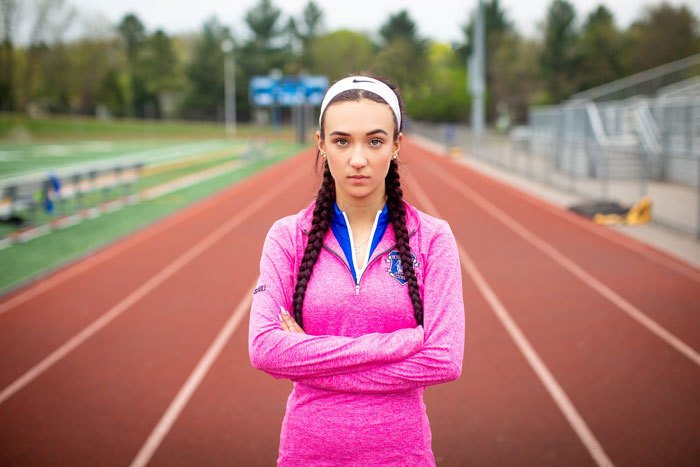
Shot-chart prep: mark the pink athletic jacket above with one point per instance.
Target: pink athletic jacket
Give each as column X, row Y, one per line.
column 360, row 373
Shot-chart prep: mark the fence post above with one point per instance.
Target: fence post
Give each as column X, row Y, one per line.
column 697, row 184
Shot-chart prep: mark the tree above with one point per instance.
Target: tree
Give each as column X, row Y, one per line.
column 558, row 57
column 664, row 34
column 133, row 33
column 495, row 24
column 262, row 21
column 402, row 26
column 206, row 73
column 313, row 18
column 516, row 82
column 600, row 47
column 340, row 53
column 157, row 73
column 9, row 12
column 496, row 27
column 49, row 20
column 402, row 57
column 134, row 37
column 442, row 96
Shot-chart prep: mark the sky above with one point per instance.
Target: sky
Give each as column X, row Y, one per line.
column 436, row 19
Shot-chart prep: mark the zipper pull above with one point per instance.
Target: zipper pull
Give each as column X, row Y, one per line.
column 357, row 289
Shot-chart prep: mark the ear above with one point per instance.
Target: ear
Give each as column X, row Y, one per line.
column 319, row 141
column 397, row 143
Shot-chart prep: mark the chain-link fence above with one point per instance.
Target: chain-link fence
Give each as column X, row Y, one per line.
column 560, row 152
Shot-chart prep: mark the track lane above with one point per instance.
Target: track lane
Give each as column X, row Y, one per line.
column 36, row 327
column 496, row 414
column 623, row 270
column 500, row 415
column 609, row 365
column 112, row 389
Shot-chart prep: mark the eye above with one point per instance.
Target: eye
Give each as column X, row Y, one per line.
column 375, row 142
column 341, row 141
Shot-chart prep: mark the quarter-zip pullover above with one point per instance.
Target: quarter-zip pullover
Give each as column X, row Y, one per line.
column 360, row 372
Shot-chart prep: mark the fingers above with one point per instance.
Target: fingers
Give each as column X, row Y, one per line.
column 288, row 323
column 282, row 321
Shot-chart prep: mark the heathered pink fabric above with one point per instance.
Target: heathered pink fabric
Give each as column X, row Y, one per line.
column 360, row 373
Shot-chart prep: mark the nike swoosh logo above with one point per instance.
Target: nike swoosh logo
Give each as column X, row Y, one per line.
column 361, row 81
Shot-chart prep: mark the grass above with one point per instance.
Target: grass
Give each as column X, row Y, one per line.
column 24, row 261
column 18, row 127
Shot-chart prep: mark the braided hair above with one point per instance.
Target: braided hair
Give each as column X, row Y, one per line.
column 324, row 207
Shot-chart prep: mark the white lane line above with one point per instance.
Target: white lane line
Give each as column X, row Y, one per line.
column 44, row 285
column 151, row 284
column 677, row 265
column 632, row 311
column 550, row 383
column 187, row 390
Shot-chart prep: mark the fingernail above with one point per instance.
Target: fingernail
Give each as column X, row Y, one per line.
column 284, row 312
column 279, row 316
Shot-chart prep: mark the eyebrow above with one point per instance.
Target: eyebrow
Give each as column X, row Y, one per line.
column 373, row 132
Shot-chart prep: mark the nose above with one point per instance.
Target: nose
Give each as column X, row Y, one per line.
column 358, row 158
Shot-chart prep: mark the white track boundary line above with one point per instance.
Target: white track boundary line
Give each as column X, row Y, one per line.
column 632, row 311
column 550, row 383
column 675, row 264
column 193, row 381
column 148, row 286
column 44, row 285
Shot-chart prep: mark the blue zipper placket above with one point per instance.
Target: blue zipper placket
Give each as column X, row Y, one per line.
column 341, row 228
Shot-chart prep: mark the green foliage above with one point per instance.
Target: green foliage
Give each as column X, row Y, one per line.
column 403, row 57
column 442, row 95
column 401, row 26
column 558, row 57
column 262, row 21
column 665, row 33
column 496, row 23
column 340, row 53
column 206, row 73
column 600, row 47
column 133, row 33
column 514, row 81
column 136, row 72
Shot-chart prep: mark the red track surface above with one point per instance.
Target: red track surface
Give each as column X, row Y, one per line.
column 98, row 404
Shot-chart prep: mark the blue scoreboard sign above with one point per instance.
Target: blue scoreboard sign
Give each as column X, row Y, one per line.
column 288, row 91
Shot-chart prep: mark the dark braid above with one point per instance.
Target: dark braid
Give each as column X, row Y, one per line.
column 397, row 215
column 319, row 226
column 324, row 207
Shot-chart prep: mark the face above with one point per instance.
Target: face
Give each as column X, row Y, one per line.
column 359, row 145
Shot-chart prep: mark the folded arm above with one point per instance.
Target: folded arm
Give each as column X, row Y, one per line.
column 440, row 359
column 292, row 355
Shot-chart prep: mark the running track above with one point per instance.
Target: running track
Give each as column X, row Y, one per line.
column 582, row 344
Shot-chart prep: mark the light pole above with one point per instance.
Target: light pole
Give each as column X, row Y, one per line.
column 477, row 71
column 229, row 86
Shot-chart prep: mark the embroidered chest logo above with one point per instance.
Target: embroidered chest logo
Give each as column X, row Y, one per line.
column 395, row 270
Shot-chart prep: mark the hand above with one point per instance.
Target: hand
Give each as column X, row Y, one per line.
column 288, row 323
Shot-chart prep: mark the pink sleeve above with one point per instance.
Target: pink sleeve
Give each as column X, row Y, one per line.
column 440, row 359
column 292, row 355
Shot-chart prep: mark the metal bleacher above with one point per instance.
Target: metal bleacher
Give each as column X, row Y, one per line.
column 646, row 125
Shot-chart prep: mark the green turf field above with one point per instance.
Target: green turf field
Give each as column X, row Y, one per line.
column 20, row 159
column 20, row 127
column 167, row 159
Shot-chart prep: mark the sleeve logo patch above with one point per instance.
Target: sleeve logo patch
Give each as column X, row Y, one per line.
column 395, row 270
column 262, row 288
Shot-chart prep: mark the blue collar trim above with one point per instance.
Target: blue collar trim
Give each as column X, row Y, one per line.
column 342, row 234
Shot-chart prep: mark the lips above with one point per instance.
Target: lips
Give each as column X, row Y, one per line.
column 358, row 177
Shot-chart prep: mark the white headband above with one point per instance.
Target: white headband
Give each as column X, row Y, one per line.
column 367, row 84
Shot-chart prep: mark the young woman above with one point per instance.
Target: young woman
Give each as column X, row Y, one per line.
column 359, row 300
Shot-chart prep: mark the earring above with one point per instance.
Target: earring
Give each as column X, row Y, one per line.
column 395, row 156
column 323, row 154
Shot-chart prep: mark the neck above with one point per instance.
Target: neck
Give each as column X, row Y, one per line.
column 361, row 212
